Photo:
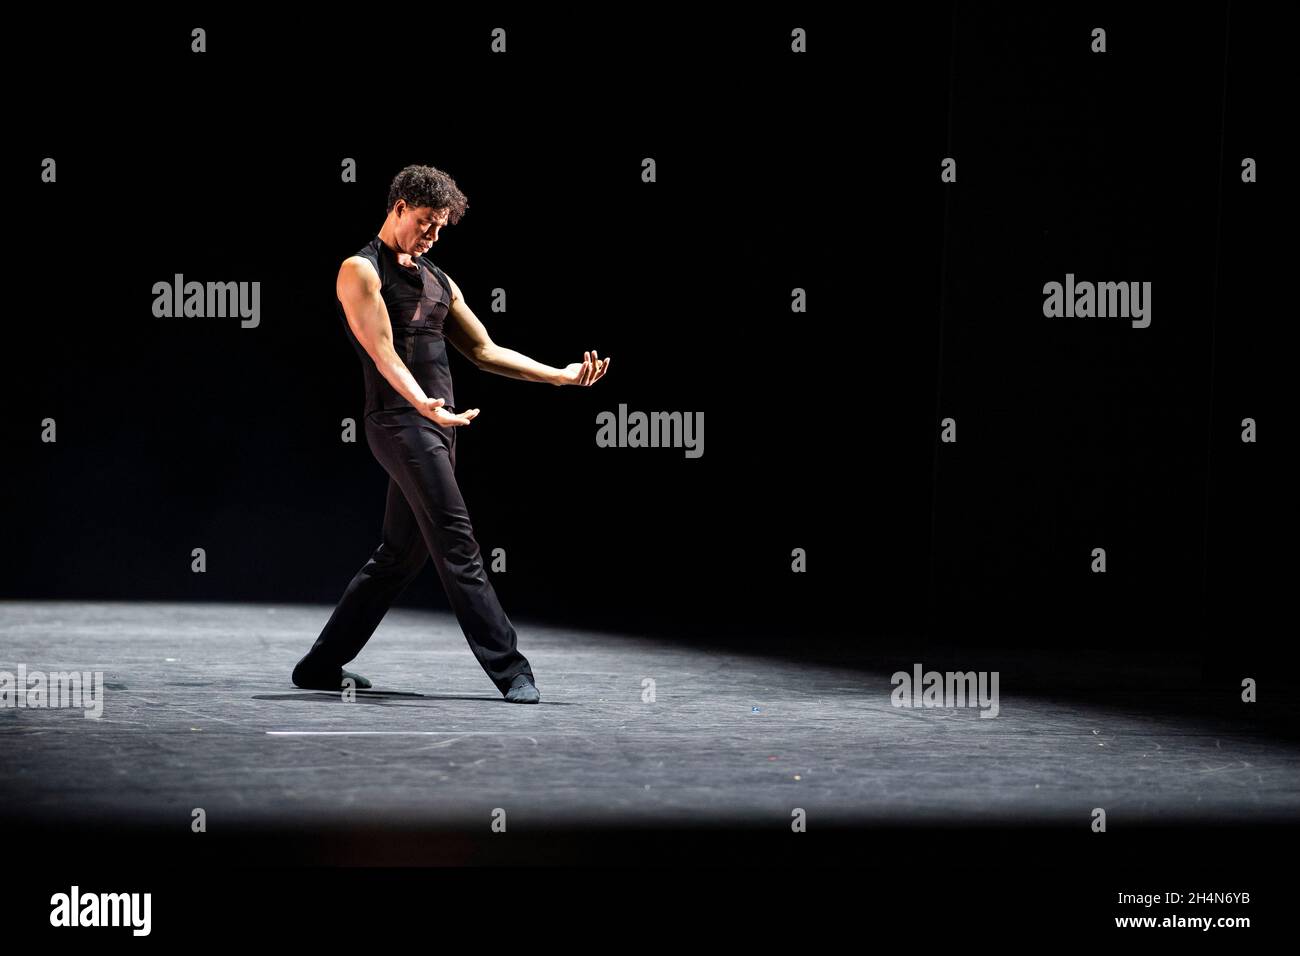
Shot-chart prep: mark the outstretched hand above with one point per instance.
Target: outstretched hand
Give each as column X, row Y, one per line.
column 431, row 408
column 590, row 370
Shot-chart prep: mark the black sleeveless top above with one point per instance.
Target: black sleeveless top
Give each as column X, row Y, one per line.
column 417, row 300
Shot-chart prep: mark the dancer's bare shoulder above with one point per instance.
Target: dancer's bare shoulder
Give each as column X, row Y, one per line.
column 357, row 274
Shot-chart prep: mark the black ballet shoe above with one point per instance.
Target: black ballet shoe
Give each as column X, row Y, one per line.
column 523, row 691
column 315, row 682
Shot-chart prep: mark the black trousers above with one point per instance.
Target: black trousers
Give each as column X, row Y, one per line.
column 424, row 517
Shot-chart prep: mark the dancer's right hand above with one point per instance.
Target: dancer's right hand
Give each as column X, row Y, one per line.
column 431, row 408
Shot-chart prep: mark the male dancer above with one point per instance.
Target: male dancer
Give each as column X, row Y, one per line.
column 395, row 305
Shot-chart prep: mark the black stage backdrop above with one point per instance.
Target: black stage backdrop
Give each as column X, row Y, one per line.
column 774, row 172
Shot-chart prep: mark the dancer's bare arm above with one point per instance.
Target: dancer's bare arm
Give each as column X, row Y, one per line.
column 358, row 288
column 471, row 339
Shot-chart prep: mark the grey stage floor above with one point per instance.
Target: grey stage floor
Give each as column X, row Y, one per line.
column 199, row 713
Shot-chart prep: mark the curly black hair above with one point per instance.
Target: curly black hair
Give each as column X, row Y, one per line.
column 426, row 186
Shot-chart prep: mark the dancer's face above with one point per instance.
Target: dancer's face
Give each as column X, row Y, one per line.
column 417, row 227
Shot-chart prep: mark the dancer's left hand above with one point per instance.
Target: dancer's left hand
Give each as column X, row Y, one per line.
column 590, row 370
